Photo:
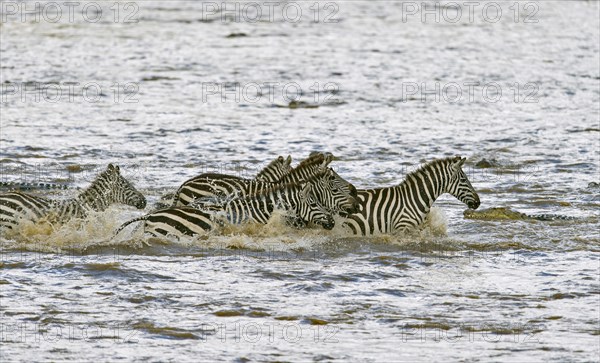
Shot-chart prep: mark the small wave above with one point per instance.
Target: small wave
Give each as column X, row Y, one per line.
column 96, row 232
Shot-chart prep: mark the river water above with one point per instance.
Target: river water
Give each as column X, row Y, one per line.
column 169, row 90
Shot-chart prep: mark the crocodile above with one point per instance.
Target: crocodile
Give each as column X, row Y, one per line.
column 31, row 186
column 504, row 213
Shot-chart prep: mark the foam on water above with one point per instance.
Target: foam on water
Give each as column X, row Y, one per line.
column 76, row 234
column 98, row 229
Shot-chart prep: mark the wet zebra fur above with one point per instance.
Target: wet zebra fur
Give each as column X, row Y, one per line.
column 108, row 188
column 340, row 197
column 275, row 170
column 404, row 206
column 298, row 199
column 271, row 173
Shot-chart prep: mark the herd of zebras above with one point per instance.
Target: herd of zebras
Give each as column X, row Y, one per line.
column 310, row 193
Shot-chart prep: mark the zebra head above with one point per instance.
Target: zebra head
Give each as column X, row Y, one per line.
column 335, row 193
column 459, row 185
column 312, row 211
column 276, row 170
column 120, row 190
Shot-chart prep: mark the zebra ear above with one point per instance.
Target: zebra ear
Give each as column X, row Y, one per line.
column 112, row 167
column 323, row 165
column 458, row 163
column 288, row 160
column 328, row 158
column 305, row 191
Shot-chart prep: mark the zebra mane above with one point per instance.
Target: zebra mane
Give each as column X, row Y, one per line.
column 106, row 174
column 313, row 160
column 280, row 159
column 279, row 187
column 429, row 166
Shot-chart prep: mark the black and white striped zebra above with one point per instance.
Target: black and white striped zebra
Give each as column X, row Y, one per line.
column 108, row 188
column 271, row 173
column 275, row 170
column 405, row 206
column 339, row 197
column 298, row 199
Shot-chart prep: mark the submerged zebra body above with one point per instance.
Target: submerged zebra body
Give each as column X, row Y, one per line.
column 108, row 188
column 271, row 173
column 298, row 199
column 404, row 206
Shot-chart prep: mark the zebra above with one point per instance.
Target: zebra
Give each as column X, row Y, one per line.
column 271, row 173
column 109, row 187
column 298, row 199
column 340, row 198
column 275, row 170
column 404, row 206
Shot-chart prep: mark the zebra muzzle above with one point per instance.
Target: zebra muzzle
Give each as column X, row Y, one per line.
column 353, row 208
column 474, row 204
column 328, row 225
column 141, row 204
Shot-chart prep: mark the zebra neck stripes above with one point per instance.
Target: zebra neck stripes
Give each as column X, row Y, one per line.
column 299, row 199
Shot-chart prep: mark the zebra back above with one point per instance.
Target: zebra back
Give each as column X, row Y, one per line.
column 271, row 173
column 174, row 221
column 15, row 206
column 210, row 186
